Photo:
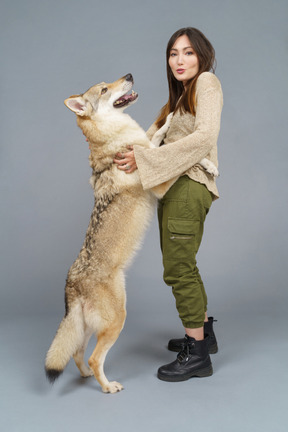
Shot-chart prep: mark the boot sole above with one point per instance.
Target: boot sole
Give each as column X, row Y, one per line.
column 201, row 373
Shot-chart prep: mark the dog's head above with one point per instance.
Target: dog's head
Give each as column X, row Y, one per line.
column 103, row 98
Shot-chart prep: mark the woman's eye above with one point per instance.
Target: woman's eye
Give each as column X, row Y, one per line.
column 104, row 90
column 189, row 52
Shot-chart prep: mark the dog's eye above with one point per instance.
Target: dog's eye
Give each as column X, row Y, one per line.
column 104, row 90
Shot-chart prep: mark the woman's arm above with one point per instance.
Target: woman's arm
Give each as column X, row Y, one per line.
column 164, row 163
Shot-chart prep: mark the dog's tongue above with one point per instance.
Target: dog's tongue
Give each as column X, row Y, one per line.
column 126, row 98
column 129, row 96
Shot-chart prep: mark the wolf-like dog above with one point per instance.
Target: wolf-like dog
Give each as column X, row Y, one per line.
column 95, row 297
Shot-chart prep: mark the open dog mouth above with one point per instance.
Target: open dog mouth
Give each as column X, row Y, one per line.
column 125, row 99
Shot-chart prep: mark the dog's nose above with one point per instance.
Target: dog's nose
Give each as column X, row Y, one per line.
column 129, row 77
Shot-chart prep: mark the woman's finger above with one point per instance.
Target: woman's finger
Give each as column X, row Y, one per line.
column 121, row 161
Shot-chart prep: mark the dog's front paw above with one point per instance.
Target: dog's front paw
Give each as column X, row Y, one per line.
column 112, row 387
column 160, row 134
column 169, row 118
column 209, row 167
column 213, row 171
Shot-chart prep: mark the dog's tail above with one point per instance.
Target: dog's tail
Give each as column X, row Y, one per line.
column 68, row 339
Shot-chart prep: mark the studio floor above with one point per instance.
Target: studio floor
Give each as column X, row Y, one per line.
column 247, row 391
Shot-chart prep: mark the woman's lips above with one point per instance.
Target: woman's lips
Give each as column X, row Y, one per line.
column 180, row 71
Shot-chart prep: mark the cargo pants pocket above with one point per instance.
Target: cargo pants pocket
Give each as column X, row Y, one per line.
column 181, row 242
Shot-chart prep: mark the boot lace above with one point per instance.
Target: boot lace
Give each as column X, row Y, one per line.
column 185, row 353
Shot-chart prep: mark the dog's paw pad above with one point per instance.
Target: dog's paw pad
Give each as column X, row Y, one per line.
column 113, row 387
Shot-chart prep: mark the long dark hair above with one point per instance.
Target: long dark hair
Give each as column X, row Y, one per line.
column 206, row 58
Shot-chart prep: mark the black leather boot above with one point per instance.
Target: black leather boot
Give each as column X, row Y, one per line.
column 178, row 344
column 192, row 361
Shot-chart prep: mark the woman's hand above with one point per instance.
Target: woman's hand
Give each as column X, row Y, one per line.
column 126, row 161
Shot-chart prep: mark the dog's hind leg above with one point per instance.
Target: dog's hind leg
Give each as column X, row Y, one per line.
column 106, row 340
column 79, row 355
column 112, row 322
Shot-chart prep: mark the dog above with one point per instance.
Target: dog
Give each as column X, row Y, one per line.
column 95, row 297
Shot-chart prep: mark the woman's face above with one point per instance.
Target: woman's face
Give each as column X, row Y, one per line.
column 183, row 60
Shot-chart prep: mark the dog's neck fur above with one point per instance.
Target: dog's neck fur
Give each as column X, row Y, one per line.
column 109, row 134
column 98, row 131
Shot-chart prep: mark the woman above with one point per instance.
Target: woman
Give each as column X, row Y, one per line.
column 195, row 97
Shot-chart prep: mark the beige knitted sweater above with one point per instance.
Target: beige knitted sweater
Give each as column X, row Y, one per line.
column 190, row 139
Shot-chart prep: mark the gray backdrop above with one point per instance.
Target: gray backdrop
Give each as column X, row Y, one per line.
column 52, row 49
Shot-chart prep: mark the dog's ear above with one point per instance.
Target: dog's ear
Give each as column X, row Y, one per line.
column 76, row 104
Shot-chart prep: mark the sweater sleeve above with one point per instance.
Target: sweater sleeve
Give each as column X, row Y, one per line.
column 161, row 164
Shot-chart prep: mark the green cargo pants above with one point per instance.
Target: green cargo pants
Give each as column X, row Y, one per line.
column 181, row 215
